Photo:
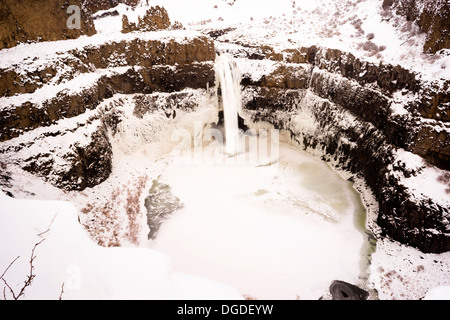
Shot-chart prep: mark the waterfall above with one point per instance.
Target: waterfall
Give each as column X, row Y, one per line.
column 229, row 81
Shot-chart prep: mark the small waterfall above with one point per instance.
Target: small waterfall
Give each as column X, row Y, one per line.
column 229, row 82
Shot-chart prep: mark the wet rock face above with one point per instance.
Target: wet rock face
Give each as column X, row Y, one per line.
column 39, row 20
column 388, row 78
column 421, row 224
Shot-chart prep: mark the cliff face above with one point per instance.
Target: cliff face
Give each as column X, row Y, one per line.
column 433, row 18
column 97, row 5
column 159, row 66
column 39, row 20
column 155, row 18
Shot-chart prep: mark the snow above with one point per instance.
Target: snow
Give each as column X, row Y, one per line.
column 438, row 293
column 275, row 232
column 69, row 264
column 70, row 256
column 404, row 273
column 400, row 100
column 255, row 68
column 76, row 85
column 343, row 25
column 426, row 182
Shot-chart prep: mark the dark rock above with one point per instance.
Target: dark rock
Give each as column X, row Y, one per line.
column 97, row 5
column 38, row 20
column 194, row 70
column 241, row 122
column 219, row 32
column 341, row 290
column 144, row 104
column 85, row 165
column 432, row 17
column 160, row 203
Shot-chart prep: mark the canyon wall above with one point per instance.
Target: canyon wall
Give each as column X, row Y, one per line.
column 83, row 106
column 378, row 121
column 40, row 20
column 372, row 120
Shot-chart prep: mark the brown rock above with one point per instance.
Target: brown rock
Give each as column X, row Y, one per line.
column 156, row 18
column 39, row 20
column 433, row 18
column 97, row 5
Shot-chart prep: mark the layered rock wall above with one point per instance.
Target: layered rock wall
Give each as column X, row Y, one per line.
column 346, row 110
column 64, row 136
column 153, row 66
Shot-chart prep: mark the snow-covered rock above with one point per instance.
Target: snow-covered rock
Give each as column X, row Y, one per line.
column 67, row 264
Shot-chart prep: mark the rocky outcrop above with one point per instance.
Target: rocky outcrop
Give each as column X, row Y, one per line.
column 432, row 17
column 367, row 90
column 155, row 18
column 134, row 52
column 36, row 21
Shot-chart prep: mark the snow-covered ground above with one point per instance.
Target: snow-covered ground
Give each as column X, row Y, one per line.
column 44, row 240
